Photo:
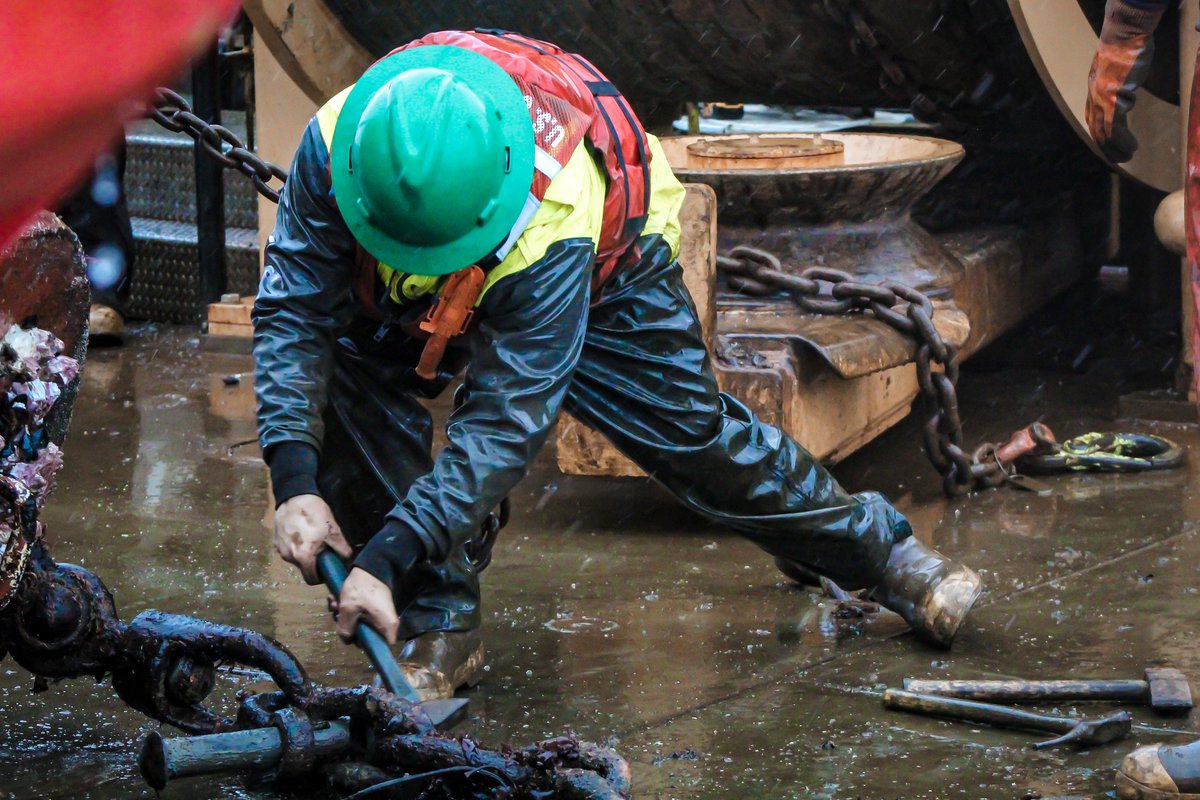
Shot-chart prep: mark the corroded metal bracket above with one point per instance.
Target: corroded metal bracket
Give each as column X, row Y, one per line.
column 63, row 624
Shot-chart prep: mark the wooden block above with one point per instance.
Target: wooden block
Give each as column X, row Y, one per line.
column 698, row 254
column 230, row 329
column 236, row 402
column 582, row 451
column 230, row 314
column 231, row 319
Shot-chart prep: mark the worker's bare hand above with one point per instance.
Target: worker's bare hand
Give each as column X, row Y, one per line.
column 367, row 599
column 304, row 526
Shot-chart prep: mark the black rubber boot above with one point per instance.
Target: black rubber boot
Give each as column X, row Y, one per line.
column 932, row 593
column 1159, row 772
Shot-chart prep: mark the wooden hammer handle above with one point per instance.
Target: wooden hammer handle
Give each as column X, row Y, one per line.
column 971, row 711
column 1034, row 691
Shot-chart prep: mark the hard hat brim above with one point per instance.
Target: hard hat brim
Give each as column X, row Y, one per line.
column 485, row 78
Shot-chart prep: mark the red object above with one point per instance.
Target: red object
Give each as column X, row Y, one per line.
column 1191, row 220
column 71, row 73
column 569, row 100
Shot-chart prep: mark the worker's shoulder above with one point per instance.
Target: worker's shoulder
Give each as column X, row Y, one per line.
column 658, row 159
column 327, row 115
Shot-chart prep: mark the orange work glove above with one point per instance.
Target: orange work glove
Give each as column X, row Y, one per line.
column 1121, row 63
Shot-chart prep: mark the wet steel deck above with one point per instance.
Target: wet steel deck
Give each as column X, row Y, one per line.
column 613, row 613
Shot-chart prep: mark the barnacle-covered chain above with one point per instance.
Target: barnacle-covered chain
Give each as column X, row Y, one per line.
column 818, row 290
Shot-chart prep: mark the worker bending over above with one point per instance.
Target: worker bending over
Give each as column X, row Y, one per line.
column 487, row 201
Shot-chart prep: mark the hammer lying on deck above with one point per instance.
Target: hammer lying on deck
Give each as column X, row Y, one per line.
column 1078, row 732
column 1164, row 689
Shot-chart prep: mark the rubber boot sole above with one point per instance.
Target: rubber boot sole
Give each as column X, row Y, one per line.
column 1129, row 789
column 947, row 605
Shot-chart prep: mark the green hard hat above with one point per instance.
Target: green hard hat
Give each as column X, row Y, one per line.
column 432, row 159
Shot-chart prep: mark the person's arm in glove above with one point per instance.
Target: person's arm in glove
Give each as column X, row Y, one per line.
column 303, row 298
column 1121, row 64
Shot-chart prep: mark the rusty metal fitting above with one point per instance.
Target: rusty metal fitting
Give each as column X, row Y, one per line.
column 1030, row 439
column 1042, row 434
column 299, row 743
column 54, row 614
column 189, row 681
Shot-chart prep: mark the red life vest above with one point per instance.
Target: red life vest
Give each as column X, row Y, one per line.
column 570, row 101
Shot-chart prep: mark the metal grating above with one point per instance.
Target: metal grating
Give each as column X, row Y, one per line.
column 160, row 185
column 166, row 285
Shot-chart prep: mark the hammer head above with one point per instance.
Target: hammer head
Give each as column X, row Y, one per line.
column 1169, row 690
column 445, row 714
column 1092, row 732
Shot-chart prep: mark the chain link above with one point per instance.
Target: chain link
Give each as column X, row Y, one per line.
column 175, row 113
column 756, row 272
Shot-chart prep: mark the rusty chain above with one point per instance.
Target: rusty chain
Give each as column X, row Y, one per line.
column 175, row 113
column 818, row 290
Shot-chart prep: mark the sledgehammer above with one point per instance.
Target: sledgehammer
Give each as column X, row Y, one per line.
column 444, row 713
column 1164, row 689
column 334, row 573
column 1079, row 732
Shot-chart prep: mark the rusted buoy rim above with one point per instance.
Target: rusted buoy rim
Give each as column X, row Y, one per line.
column 944, row 152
